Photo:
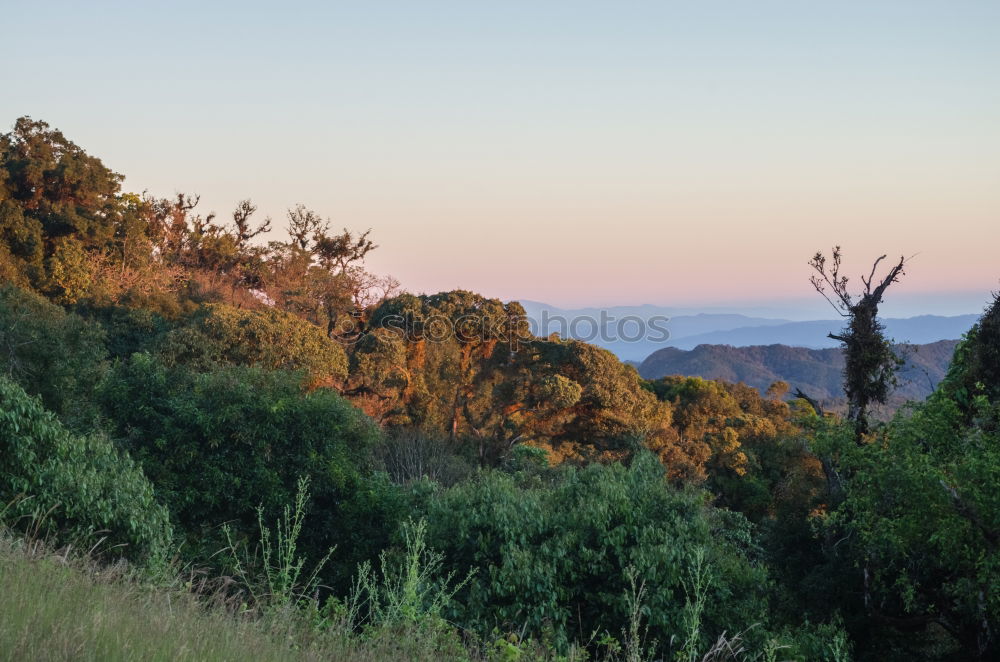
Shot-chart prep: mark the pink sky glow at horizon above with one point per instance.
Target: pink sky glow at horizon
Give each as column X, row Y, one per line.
column 583, row 153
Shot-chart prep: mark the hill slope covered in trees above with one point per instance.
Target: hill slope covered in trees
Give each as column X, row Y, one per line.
column 171, row 387
column 817, row 372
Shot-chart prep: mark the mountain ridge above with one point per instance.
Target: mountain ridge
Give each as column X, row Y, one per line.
column 818, row 372
column 688, row 328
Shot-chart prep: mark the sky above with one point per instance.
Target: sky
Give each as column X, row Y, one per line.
column 578, row 153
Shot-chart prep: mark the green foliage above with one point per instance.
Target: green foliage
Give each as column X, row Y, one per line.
column 412, row 589
column 21, row 246
column 218, row 444
column 53, row 354
column 75, row 488
column 68, row 273
column 220, row 334
column 278, row 583
column 553, row 553
column 823, row 643
column 400, row 606
column 56, row 183
column 921, row 518
column 128, row 330
column 975, row 369
column 926, row 517
column 696, row 586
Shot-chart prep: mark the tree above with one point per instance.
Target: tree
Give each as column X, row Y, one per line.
column 975, row 368
column 920, row 517
column 248, row 268
column 57, row 203
column 241, row 223
column 58, row 184
column 924, row 512
column 303, row 224
column 870, row 363
column 756, row 461
column 615, row 415
column 319, row 275
column 379, row 376
column 457, row 345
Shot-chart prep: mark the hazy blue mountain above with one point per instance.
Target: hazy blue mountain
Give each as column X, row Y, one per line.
column 621, row 330
column 688, row 328
column 918, row 330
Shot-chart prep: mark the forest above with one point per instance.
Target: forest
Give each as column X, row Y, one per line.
column 232, row 413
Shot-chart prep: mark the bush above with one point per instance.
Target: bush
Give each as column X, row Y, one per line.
column 273, row 339
column 554, row 554
column 128, row 330
column 219, row 444
column 408, row 455
column 77, row 488
column 53, row 354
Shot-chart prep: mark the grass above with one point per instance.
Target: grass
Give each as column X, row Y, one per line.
column 52, row 608
column 67, row 605
column 57, row 607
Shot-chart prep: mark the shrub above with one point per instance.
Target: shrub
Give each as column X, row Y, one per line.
column 53, row 354
column 78, row 488
column 554, row 555
column 128, row 330
column 920, row 519
column 273, row 339
column 274, row 577
column 219, row 444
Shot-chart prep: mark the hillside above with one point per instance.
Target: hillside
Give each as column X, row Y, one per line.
column 816, row 371
column 213, row 449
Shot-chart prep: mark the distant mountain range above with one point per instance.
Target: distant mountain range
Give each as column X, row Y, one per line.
column 688, row 329
column 916, row 330
column 818, row 372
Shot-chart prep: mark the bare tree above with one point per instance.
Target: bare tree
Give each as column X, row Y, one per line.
column 303, row 225
column 870, row 363
column 241, row 220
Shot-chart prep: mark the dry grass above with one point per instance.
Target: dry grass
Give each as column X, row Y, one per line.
column 53, row 607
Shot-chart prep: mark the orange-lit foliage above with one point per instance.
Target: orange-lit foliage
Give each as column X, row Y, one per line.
column 758, row 460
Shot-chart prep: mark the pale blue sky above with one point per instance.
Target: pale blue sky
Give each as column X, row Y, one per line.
column 572, row 152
